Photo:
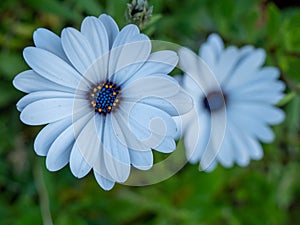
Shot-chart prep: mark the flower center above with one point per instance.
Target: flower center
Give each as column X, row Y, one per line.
column 104, row 97
column 214, row 101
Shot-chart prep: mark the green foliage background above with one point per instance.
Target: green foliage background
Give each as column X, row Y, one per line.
column 265, row 192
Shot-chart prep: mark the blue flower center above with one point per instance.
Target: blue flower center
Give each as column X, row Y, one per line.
column 104, row 97
column 214, row 101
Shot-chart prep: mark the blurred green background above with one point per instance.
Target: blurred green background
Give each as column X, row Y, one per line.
column 265, row 192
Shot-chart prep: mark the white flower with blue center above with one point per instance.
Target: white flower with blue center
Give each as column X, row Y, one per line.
column 106, row 99
column 234, row 97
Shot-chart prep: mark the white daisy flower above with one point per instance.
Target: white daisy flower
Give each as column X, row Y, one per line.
column 234, row 103
column 106, row 98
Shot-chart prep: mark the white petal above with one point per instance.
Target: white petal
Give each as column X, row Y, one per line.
column 49, row 41
column 48, row 135
column 105, row 183
column 78, row 49
column 78, row 165
column 142, row 160
column 111, row 28
column 29, row 81
column 40, row 95
column 51, row 67
column 47, row 111
column 116, row 154
column 95, row 33
column 59, row 152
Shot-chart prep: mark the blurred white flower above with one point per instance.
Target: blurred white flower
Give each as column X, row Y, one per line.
column 234, row 99
column 106, row 98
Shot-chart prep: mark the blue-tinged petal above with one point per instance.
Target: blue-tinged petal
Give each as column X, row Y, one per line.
column 265, row 75
column 226, row 153
column 129, row 51
column 92, row 130
column 191, row 87
column 239, row 147
column 211, row 50
column 142, row 160
column 216, row 43
column 157, row 86
column 48, row 135
column 158, row 62
column 125, row 60
column 111, row 27
column 265, row 96
column 105, row 183
column 227, row 60
column 211, row 167
column 126, row 35
column 218, row 124
column 78, row 49
column 78, row 165
column 152, row 119
column 59, row 152
column 95, row 33
column 268, row 72
column 208, row 55
column 29, row 81
column 127, row 134
column 163, row 104
column 51, row 67
column 251, row 125
column 176, row 105
column 116, row 154
column 261, row 86
column 198, row 70
column 40, row 95
column 47, row 111
column 49, row 41
column 264, row 113
column 254, row 147
column 246, row 68
column 196, row 135
column 167, row 145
